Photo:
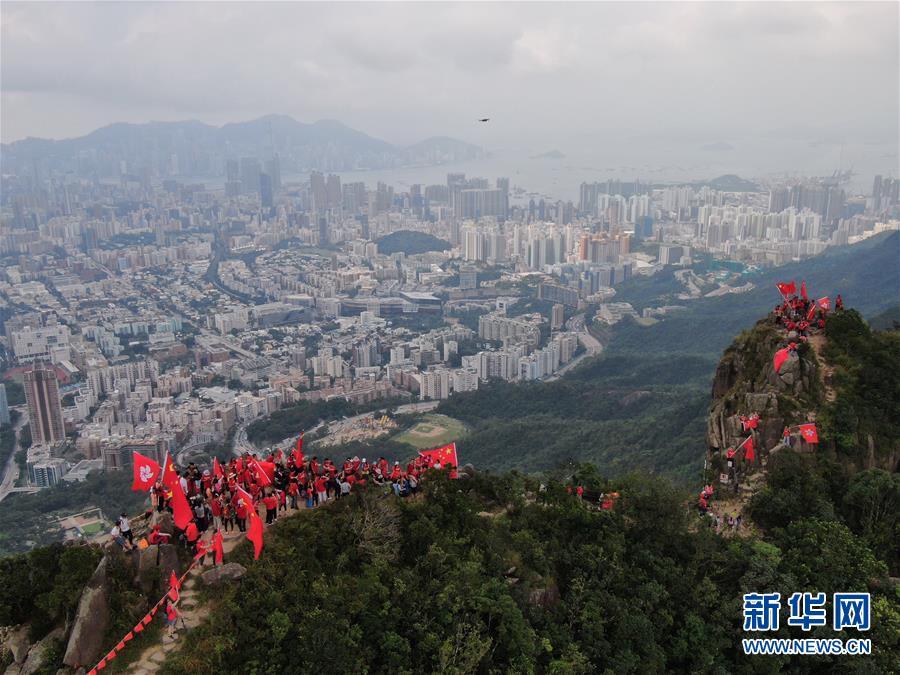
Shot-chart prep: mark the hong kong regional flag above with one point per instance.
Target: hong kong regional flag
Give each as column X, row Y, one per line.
column 809, row 433
column 146, row 472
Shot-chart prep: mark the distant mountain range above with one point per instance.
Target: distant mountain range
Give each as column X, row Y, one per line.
column 192, row 148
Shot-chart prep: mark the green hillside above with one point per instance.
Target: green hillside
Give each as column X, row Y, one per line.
column 410, row 243
column 476, row 578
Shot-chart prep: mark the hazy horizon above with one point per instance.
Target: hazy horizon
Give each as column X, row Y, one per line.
column 556, row 74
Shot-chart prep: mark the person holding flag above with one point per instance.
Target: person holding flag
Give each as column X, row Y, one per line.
column 748, row 448
column 218, row 547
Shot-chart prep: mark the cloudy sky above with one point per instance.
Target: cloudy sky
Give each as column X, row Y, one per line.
column 558, row 74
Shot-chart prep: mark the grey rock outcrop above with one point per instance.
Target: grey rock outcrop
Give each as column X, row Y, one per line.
column 155, row 563
column 39, row 654
column 164, row 520
column 17, row 643
column 91, row 621
column 227, row 572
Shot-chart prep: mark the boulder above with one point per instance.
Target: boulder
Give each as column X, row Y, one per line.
column 164, row 520
column 91, row 621
column 545, row 597
column 227, row 572
column 17, row 643
column 40, row 653
column 155, row 563
column 766, row 402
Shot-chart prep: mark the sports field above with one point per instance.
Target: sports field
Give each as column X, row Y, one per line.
column 431, row 431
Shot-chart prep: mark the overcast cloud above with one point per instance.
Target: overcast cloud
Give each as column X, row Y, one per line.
column 556, row 74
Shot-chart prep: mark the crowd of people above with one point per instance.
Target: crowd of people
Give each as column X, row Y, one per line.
column 802, row 315
column 222, row 499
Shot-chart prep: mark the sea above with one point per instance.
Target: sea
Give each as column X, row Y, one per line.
column 554, row 173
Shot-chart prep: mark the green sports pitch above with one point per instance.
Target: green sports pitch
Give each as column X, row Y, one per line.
column 432, row 431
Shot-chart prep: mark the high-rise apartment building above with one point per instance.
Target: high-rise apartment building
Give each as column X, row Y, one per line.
column 4, row 405
column 44, row 407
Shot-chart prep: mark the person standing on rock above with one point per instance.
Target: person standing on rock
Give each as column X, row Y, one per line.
column 125, row 528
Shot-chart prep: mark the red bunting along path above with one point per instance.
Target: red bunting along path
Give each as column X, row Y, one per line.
column 175, row 583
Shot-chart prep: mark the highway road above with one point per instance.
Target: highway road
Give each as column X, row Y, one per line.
column 11, row 470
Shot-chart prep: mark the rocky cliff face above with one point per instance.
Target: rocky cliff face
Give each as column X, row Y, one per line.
column 746, row 382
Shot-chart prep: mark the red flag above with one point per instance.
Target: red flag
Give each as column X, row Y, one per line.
column 255, row 533
column 174, row 586
column 811, row 312
column 445, row 455
column 297, row 454
column 780, row 357
column 181, row 510
column 825, row 303
column 265, row 471
column 146, row 471
column 169, row 477
column 243, row 494
column 809, row 433
column 749, row 450
column 217, row 468
column 803, row 290
column 787, row 288
column 201, row 550
column 218, row 547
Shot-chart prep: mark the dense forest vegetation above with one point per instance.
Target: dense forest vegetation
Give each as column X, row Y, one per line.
column 42, row 587
column 623, row 412
column 477, row 578
column 410, row 243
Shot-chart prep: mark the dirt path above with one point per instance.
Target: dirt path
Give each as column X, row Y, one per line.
column 826, row 372
column 191, row 612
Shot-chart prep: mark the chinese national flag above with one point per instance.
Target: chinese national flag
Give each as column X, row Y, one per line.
column 803, row 290
column 297, row 454
column 787, row 288
column 445, row 455
column 181, row 510
column 169, row 477
column 265, row 471
column 146, row 472
column 780, row 357
column 811, row 312
column 809, row 433
column 217, row 468
column 749, row 450
column 218, row 547
column 825, row 303
column 255, row 533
